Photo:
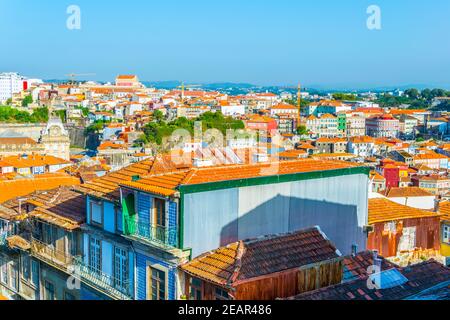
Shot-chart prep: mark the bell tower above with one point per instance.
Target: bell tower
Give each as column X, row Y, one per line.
column 55, row 139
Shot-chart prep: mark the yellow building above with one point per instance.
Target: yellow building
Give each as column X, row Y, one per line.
column 444, row 208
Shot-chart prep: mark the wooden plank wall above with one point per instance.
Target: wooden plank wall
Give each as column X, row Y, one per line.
column 427, row 235
column 291, row 283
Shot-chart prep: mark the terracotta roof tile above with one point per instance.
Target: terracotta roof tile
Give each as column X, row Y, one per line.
column 407, row 192
column 424, row 276
column 384, row 210
column 249, row 259
column 10, row 189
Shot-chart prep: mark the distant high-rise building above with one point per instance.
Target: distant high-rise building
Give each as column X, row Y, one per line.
column 11, row 83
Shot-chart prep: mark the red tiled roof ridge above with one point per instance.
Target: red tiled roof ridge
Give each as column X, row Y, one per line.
column 238, row 264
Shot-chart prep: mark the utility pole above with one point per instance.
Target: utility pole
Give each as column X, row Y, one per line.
column 299, row 102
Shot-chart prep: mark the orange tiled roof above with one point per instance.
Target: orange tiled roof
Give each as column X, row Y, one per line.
column 163, row 185
column 17, row 141
column 284, row 107
column 384, row 210
column 333, row 155
column 292, row 153
column 307, row 146
column 330, row 140
column 327, row 116
column 10, row 189
column 61, row 207
column 163, row 176
column 246, row 171
column 126, row 77
column 444, row 209
column 362, row 139
column 33, row 161
column 429, row 156
column 244, row 260
column 108, row 185
column 407, row 192
column 376, row 176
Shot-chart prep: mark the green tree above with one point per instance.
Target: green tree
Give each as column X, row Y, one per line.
column 158, row 115
column 438, row 93
column 96, row 127
column 426, row 94
column 27, row 100
column 345, row 96
column 412, row 93
column 62, row 114
column 302, row 130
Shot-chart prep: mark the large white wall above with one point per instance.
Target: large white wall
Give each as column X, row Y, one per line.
column 425, row 203
column 338, row 205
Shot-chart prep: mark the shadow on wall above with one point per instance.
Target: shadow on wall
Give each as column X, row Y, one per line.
column 286, row 214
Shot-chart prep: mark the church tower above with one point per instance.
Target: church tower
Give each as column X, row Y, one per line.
column 55, row 139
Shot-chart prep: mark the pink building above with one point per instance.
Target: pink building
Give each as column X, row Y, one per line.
column 384, row 126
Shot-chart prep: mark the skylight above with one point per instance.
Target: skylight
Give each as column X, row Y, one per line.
column 388, row 279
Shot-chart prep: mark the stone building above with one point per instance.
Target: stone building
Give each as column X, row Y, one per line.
column 53, row 140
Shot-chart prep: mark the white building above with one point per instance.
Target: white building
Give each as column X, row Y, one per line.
column 10, row 84
column 233, row 109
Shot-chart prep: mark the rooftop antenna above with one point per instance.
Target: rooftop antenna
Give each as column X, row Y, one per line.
column 72, row 76
column 299, row 102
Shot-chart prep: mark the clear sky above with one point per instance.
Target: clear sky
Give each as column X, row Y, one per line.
column 324, row 42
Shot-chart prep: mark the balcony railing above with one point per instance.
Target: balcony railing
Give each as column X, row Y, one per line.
column 116, row 288
column 164, row 236
column 49, row 254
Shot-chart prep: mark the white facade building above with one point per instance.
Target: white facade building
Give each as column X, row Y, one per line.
column 10, row 84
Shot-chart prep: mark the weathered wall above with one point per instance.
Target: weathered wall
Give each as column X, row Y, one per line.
column 33, row 131
column 427, row 231
column 22, row 130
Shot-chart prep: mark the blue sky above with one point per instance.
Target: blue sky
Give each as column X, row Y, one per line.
column 318, row 42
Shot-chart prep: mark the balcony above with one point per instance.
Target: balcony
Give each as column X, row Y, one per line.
column 105, row 283
column 163, row 236
column 52, row 256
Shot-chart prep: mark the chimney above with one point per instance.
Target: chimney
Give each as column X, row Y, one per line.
column 376, row 260
column 354, row 250
column 260, row 158
column 202, row 162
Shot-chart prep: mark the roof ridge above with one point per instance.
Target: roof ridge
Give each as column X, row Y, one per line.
column 238, row 262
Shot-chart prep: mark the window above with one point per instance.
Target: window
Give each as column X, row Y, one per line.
column 3, row 226
column 73, row 243
column 49, row 290
column 34, row 273
column 160, row 213
column 4, row 272
column 50, row 234
column 159, row 220
column 95, row 254
column 446, row 234
column 96, row 212
column 157, row 284
column 13, row 276
column 221, row 294
column 26, row 268
column 119, row 221
column 121, row 269
column 68, row 296
column 196, row 289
